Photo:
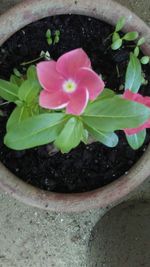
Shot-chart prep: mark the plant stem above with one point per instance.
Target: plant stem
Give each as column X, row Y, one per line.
column 31, row 61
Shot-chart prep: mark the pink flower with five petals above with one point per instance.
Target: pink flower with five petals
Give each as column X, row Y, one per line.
column 68, row 83
column 142, row 100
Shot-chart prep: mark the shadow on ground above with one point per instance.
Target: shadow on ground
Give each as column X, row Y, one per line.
column 122, row 237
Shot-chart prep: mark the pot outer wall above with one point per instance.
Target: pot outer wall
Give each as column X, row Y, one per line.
column 107, row 196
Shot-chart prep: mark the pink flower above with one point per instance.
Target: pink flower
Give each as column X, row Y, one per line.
column 70, row 82
column 140, row 99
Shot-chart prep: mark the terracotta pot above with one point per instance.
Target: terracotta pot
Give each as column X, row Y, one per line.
column 114, row 193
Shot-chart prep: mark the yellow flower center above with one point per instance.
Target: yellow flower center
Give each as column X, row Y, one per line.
column 69, row 86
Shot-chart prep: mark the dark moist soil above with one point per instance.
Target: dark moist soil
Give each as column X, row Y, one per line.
column 86, row 167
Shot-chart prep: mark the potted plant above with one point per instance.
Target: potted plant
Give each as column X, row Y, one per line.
column 84, row 87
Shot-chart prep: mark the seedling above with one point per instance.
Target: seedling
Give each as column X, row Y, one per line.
column 56, row 37
column 117, row 40
column 49, row 37
column 52, row 39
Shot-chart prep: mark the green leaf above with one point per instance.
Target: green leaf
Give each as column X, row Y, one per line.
column 120, row 24
column 19, row 114
column 57, row 37
column 130, row 36
column 35, row 131
column 32, row 73
column 136, row 51
column 85, row 136
column 70, row 136
column 17, row 73
column 106, row 93
column 115, row 37
column 145, row 60
column 48, row 34
column 141, row 41
column 106, row 138
column 117, row 44
column 15, row 80
column 114, row 114
column 133, row 77
column 28, row 91
column 8, row 91
column 136, row 140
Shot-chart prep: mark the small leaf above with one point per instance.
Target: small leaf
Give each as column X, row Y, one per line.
column 120, row 24
column 19, row 114
column 136, row 51
column 141, row 41
column 106, row 138
column 32, row 73
column 28, row 91
column 49, row 41
column 115, row 37
column 35, row 131
column 133, row 77
column 15, row 80
column 145, row 60
column 48, row 34
column 57, row 37
column 70, row 136
column 117, row 44
column 8, row 91
column 130, row 36
column 17, row 73
column 136, row 140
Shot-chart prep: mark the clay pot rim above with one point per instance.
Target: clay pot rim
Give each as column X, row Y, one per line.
column 18, row 17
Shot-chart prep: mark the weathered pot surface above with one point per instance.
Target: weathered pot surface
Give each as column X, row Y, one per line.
column 112, row 194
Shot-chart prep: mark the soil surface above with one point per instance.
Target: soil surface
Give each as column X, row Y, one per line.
column 86, row 167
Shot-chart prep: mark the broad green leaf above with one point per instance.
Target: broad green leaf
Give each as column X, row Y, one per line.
column 8, row 91
column 35, row 131
column 145, row 60
column 117, row 44
column 130, row 36
column 106, row 93
column 70, row 136
column 28, row 91
column 15, row 80
column 136, row 140
column 106, row 138
column 133, row 77
column 141, row 41
column 19, row 114
column 115, row 37
column 115, row 113
column 120, row 24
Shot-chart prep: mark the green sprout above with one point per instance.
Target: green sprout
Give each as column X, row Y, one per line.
column 49, row 37
column 117, row 40
column 52, row 39
column 56, row 37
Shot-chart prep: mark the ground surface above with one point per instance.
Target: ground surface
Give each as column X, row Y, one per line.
column 34, row 238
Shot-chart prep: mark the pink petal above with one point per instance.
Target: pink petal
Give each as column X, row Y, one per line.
column 138, row 129
column 147, row 101
column 57, row 100
column 48, row 77
column 69, row 63
column 134, row 97
column 91, row 80
column 78, row 101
